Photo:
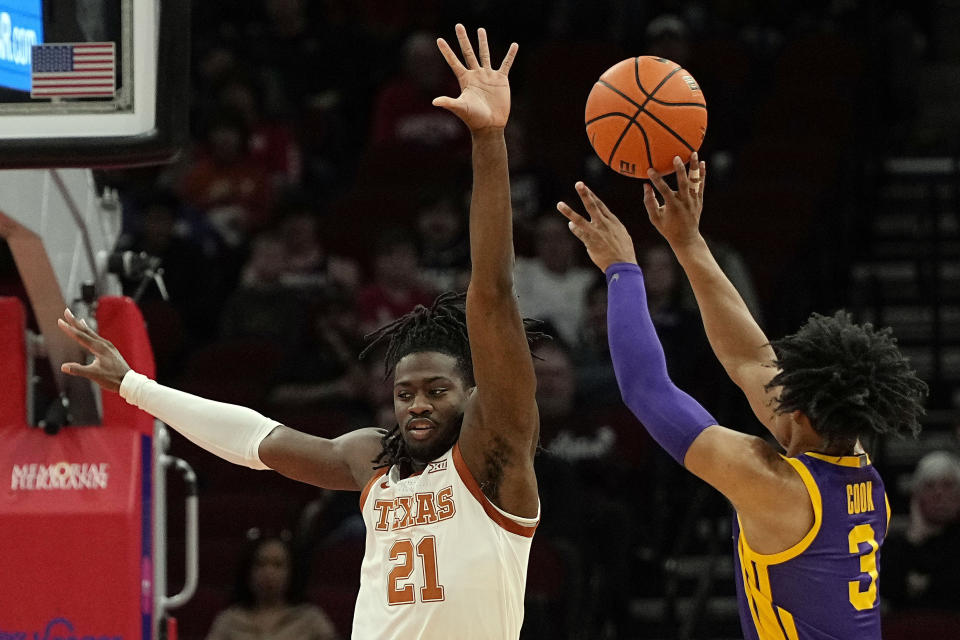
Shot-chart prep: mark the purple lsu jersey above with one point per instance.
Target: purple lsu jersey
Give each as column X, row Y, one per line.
column 825, row 586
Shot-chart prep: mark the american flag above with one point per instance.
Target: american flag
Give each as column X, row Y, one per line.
column 77, row 70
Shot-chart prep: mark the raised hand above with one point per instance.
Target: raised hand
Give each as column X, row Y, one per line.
column 108, row 366
column 604, row 236
column 678, row 218
column 484, row 101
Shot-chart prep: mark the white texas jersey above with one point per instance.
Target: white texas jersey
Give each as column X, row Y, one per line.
column 441, row 560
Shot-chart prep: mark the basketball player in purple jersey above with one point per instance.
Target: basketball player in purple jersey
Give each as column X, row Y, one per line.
column 810, row 522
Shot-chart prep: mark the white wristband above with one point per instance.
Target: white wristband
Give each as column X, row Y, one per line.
column 232, row 432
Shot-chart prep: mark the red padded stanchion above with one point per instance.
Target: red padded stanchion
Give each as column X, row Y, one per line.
column 13, row 363
column 75, row 508
column 120, row 322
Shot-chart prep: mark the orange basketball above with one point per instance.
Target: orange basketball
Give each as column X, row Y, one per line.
column 644, row 111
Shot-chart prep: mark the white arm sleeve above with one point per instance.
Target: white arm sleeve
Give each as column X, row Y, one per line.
column 232, row 432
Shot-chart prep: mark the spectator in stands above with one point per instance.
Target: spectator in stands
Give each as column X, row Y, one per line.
column 288, row 51
column 444, row 247
column 224, row 180
column 308, row 264
column 921, row 566
column 163, row 233
column 600, row 453
column 397, row 286
column 667, row 36
column 591, row 353
column 531, row 182
column 324, row 368
column 736, row 269
column 262, row 307
column 157, row 226
column 688, row 353
column 403, row 113
column 551, row 286
column 267, row 601
column 272, row 143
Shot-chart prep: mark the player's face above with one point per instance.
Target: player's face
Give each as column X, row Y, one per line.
column 429, row 398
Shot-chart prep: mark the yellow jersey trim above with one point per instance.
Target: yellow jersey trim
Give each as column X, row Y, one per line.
column 887, row 501
column 856, row 462
column 815, row 500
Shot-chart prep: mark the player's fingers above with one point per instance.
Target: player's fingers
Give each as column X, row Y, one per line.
column 650, row 203
column 80, row 326
column 509, row 58
column 71, row 319
column 450, row 57
column 578, row 225
column 579, row 229
column 590, row 201
column 660, row 184
column 602, row 207
column 703, row 178
column 683, row 182
column 693, row 176
column 602, row 211
column 450, row 104
column 569, row 213
column 469, row 57
column 80, row 337
column 483, row 48
column 77, row 369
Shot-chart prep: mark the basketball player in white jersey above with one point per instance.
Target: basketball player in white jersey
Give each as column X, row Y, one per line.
column 449, row 495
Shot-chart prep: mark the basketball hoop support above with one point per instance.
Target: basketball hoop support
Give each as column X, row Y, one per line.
column 60, row 231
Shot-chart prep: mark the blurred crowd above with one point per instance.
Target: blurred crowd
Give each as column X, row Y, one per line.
column 323, row 195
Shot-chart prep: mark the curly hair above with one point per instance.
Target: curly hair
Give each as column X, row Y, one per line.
column 850, row 380
column 441, row 327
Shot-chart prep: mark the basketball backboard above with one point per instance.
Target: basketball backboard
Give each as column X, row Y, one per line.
column 92, row 83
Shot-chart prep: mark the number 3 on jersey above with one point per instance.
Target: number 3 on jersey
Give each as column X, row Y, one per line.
column 863, row 533
column 402, row 550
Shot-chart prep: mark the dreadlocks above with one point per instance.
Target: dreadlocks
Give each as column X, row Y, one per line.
column 850, row 380
column 443, row 328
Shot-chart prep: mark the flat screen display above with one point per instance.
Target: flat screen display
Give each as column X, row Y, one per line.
column 21, row 27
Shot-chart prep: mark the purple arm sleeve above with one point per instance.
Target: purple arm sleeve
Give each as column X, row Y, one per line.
column 672, row 417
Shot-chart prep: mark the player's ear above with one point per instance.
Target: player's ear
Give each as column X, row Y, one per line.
column 802, row 419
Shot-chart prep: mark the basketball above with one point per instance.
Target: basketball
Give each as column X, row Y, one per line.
column 642, row 112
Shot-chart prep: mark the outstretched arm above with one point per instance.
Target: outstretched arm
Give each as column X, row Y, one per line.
column 734, row 335
column 236, row 434
column 673, row 418
column 742, row 467
column 501, row 427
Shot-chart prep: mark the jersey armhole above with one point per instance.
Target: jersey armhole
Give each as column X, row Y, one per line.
column 379, row 473
column 514, row 524
column 813, row 491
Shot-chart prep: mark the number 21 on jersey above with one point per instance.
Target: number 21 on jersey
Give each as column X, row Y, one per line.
column 399, row 591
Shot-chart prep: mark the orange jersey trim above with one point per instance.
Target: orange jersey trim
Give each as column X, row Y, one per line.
column 379, row 473
column 494, row 513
